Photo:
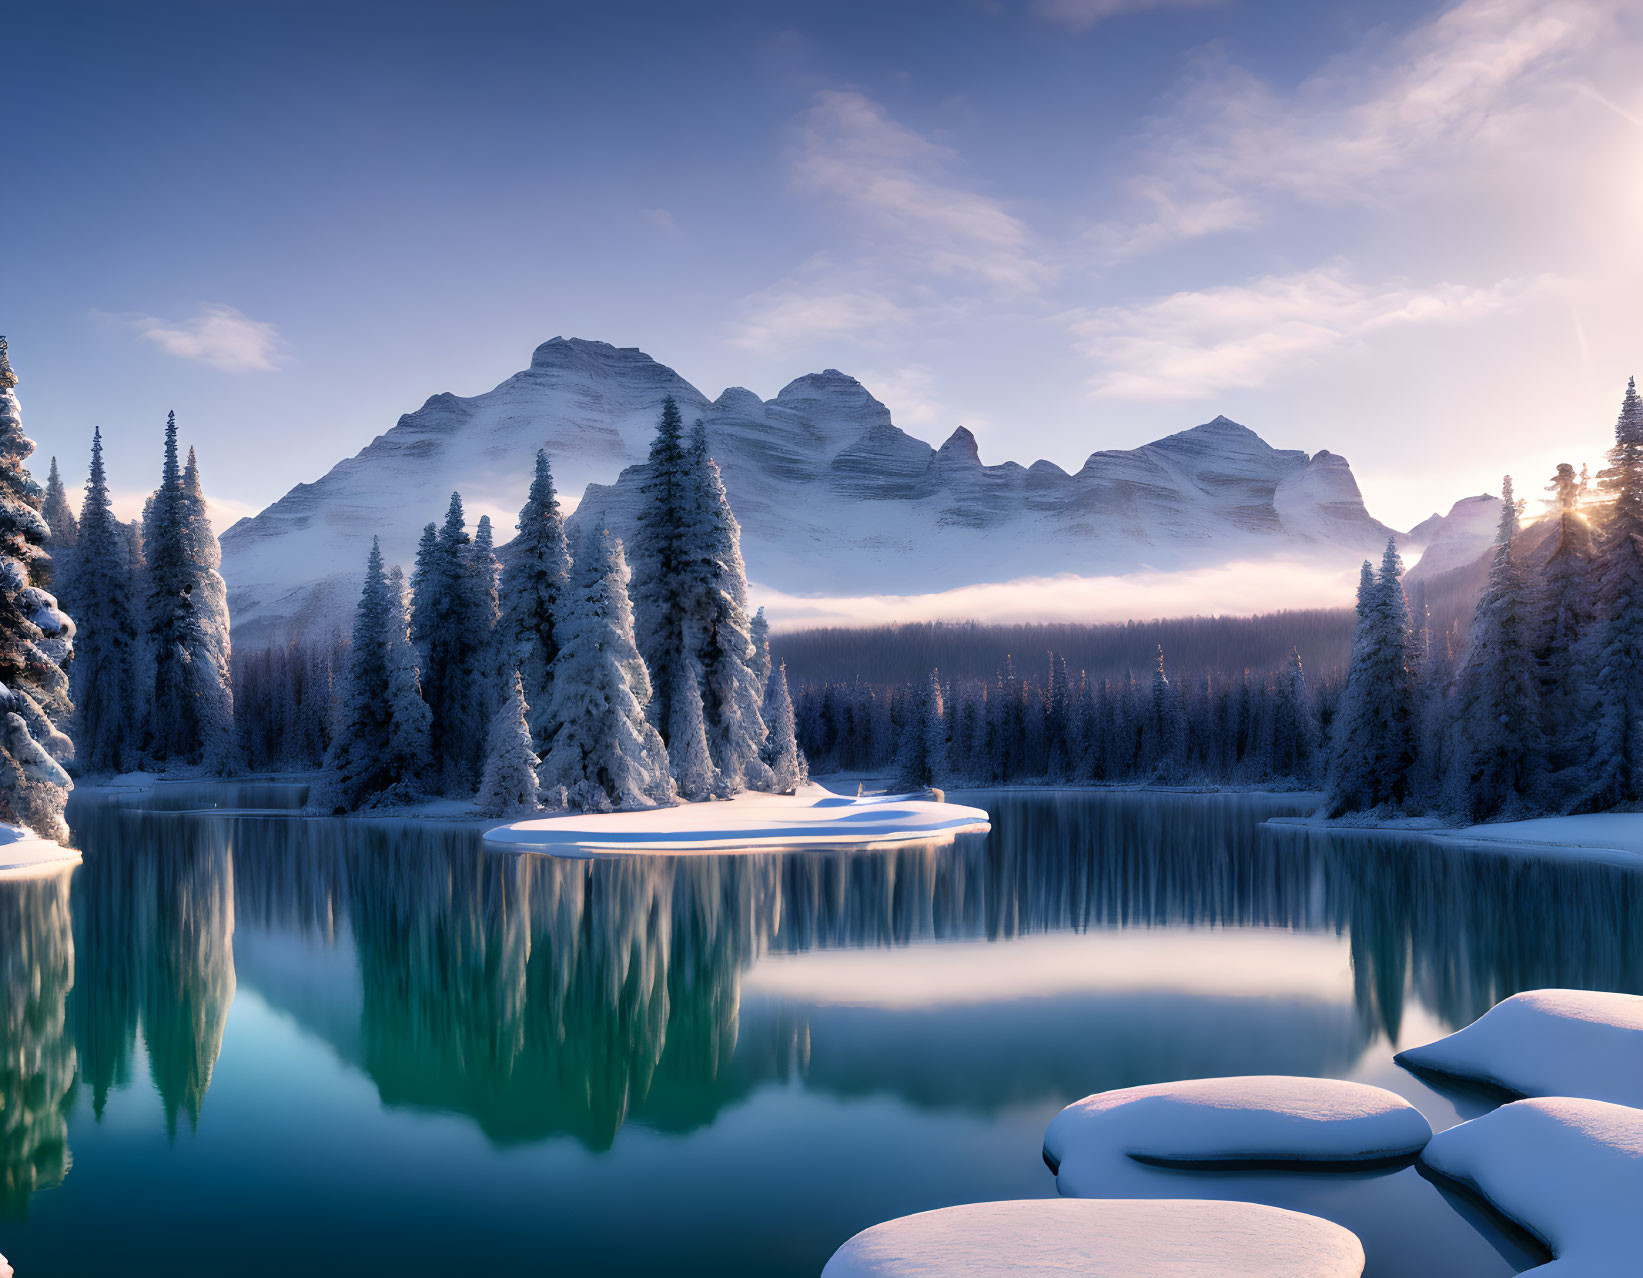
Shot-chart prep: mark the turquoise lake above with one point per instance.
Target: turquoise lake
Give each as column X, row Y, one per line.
column 236, row 1040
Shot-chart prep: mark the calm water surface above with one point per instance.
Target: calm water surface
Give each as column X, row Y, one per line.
column 236, row 1040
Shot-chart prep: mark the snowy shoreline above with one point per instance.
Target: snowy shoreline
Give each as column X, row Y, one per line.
column 25, row 855
column 1608, row 838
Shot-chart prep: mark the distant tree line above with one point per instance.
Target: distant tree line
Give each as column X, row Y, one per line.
column 892, row 656
column 1064, row 727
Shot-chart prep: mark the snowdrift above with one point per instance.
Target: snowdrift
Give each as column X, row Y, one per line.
column 814, row 817
column 1122, row 1238
column 23, row 853
column 1262, row 1120
column 1577, row 1043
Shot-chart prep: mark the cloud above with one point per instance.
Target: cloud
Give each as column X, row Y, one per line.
column 218, row 335
column 902, row 187
column 1081, row 15
column 1233, row 590
column 1192, row 344
column 789, row 315
column 661, row 220
column 1477, row 80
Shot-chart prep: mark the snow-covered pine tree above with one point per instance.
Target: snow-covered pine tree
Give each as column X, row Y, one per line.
column 1614, row 650
column 211, row 652
column 1498, row 765
column 441, row 590
column 99, row 594
column 788, row 768
column 64, row 532
column 716, row 625
column 1058, row 721
column 357, row 764
column 172, row 714
column 1294, row 724
column 409, row 757
column 660, row 549
column 508, row 783
column 535, row 585
column 488, row 671
column 1351, row 782
column 688, row 757
column 605, row 753
column 36, row 641
column 1563, row 618
column 921, row 756
column 759, row 631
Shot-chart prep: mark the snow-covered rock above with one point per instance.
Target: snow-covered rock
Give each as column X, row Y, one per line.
column 23, row 853
column 1568, row 1171
column 1124, row 1238
column 813, row 817
column 1261, row 1120
column 1548, row 1043
column 832, row 496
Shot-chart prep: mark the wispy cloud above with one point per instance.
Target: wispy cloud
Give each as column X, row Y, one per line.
column 1081, row 15
column 218, row 335
column 1469, row 83
column 788, row 316
column 1192, row 344
column 906, row 191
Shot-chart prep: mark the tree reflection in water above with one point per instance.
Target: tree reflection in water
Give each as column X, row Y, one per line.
column 540, row 996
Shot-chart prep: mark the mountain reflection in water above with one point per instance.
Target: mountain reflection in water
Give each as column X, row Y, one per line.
column 1089, row 941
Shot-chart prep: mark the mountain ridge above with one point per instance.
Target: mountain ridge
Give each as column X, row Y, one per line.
column 831, row 494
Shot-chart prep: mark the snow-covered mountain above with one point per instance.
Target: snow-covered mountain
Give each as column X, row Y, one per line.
column 1454, row 540
column 833, row 497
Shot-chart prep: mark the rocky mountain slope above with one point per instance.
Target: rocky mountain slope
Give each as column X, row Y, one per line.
column 833, row 497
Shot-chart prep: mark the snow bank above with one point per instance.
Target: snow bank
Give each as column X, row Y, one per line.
column 1548, row 1043
column 1121, row 1238
column 811, row 817
column 1568, row 1171
column 1592, row 832
column 23, row 853
column 1260, row 1120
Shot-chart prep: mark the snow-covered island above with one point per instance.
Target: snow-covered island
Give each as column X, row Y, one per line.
column 813, row 816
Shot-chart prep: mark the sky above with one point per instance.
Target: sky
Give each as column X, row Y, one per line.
column 1404, row 232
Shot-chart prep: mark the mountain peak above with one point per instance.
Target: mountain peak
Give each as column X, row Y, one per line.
column 558, row 351
column 837, row 395
column 961, row 444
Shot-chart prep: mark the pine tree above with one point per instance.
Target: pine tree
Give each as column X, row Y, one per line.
column 535, row 586
column 1294, row 724
column 409, row 756
column 36, row 641
column 759, row 631
column 1371, row 748
column 716, row 626
column 444, row 628
column 357, row 763
column 488, row 671
column 787, row 765
column 921, row 757
column 508, row 783
column 604, row 753
column 99, row 594
column 660, row 550
column 210, row 659
column 63, row 529
column 1564, row 616
column 173, row 721
column 1499, row 760
column 1614, row 651
column 688, row 757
